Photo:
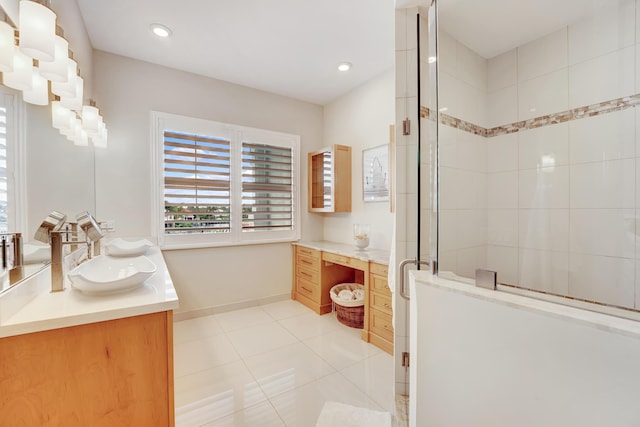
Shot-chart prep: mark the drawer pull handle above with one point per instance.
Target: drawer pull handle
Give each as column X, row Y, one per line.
column 387, row 305
column 303, row 273
column 306, row 289
column 304, row 261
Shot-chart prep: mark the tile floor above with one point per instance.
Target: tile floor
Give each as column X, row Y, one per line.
column 274, row 365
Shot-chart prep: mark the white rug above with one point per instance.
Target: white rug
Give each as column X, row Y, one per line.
column 336, row 414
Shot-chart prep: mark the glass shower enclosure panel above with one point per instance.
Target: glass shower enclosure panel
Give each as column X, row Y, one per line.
column 537, row 153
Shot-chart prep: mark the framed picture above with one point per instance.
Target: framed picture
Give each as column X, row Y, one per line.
column 375, row 174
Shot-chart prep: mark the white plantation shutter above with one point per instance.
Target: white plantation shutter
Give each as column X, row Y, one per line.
column 197, row 173
column 221, row 184
column 267, row 187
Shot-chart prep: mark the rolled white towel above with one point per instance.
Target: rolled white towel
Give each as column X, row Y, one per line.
column 358, row 294
column 345, row 295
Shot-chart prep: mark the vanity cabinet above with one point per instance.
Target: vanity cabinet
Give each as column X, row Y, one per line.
column 329, row 180
column 112, row 373
column 380, row 308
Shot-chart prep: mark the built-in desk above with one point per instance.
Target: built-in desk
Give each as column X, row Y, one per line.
column 318, row 266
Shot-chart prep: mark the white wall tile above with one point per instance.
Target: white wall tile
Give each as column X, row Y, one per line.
column 606, row 232
column 544, row 146
column 472, row 68
column 472, row 228
column 606, row 185
column 543, row 95
column 602, row 279
column 607, row 29
column 546, row 229
column 471, row 104
column 502, row 227
column 502, row 190
column 604, row 78
column 545, row 188
column 502, row 153
column 637, row 306
column 543, row 55
column 606, row 137
column 447, row 260
column 544, row 270
column 448, row 230
column 504, row 261
column 448, row 94
column 502, row 106
column 471, row 151
column 469, row 260
column 471, row 190
column 447, row 146
column 401, row 73
column 502, row 71
column 448, row 187
column 447, row 53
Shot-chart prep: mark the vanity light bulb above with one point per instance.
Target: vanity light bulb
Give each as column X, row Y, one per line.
column 7, row 47
column 21, row 78
column 60, row 116
column 37, row 25
column 90, row 119
column 39, row 93
column 74, row 103
column 69, row 87
column 58, row 69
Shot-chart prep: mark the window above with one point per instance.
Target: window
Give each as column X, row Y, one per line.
column 221, row 184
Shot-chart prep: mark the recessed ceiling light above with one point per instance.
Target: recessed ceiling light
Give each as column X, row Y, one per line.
column 160, row 30
column 344, row 66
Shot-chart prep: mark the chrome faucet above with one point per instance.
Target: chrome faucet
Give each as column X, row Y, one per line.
column 59, row 238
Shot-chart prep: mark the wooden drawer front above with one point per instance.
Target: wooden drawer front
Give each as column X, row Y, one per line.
column 345, row 260
column 308, row 274
column 338, row 259
column 379, row 269
column 308, row 289
column 379, row 284
column 381, row 302
column 311, row 253
column 307, row 261
column 381, row 325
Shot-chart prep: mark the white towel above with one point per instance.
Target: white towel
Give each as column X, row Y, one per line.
column 336, row 414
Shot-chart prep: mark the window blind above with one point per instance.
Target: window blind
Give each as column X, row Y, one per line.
column 267, row 187
column 197, row 173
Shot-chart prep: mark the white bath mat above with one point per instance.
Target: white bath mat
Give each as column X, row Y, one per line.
column 336, row 414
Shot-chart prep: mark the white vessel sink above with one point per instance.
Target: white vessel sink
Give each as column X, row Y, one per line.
column 127, row 248
column 106, row 274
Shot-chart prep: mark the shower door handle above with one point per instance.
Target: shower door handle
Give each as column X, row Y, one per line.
column 403, row 264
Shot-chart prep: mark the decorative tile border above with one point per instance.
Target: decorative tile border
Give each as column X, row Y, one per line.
column 550, row 119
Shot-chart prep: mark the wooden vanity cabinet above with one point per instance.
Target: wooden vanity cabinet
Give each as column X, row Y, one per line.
column 329, row 179
column 112, row 373
column 380, row 308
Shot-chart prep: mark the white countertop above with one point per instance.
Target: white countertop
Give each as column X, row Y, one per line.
column 368, row 254
column 31, row 307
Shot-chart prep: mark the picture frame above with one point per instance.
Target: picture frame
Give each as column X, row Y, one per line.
column 376, row 179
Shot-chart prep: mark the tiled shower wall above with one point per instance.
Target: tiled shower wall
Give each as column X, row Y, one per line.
column 547, row 193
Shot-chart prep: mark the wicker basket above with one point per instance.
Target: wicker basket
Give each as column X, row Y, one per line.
column 349, row 313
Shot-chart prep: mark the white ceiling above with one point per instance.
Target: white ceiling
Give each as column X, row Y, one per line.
column 293, row 47
column 288, row 47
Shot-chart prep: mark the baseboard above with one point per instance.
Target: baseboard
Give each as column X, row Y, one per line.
column 208, row 311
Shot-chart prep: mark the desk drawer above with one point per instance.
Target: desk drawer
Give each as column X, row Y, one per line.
column 303, row 260
column 381, row 302
column 308, row 289
column 308, row 274
column 311, row 253
column 381, row 325
column 378, row 284
column 379, row 269
column 346, row 261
